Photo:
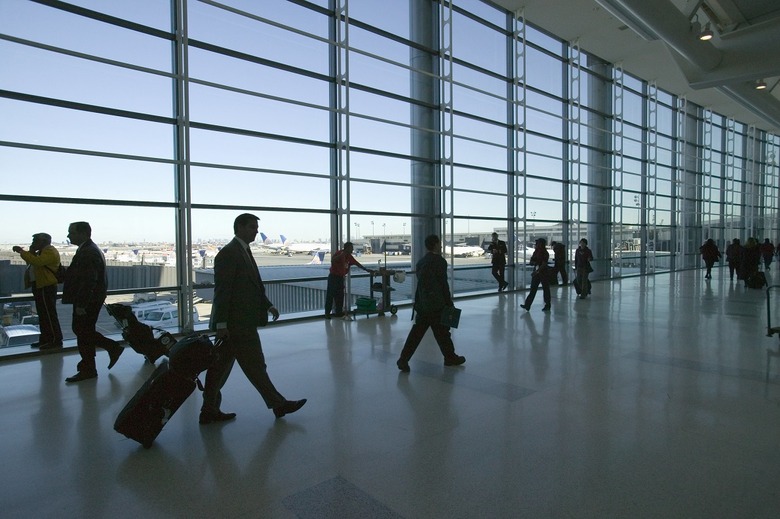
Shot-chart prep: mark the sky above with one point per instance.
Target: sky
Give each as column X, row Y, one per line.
column 291, row 204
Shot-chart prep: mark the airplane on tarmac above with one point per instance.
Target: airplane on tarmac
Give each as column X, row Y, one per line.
column 302, row 247
column 290, row 248
column 278, row 248
column 461, row 250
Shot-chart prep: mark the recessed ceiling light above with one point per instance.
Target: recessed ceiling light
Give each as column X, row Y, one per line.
column 760, row 84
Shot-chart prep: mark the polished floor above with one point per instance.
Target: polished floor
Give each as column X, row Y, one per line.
column 650, row 399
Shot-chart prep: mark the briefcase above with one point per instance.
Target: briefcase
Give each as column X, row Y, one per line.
column 450, row 316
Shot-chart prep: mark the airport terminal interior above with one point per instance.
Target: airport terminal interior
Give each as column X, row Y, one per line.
column 645, row 127
column 648, row 399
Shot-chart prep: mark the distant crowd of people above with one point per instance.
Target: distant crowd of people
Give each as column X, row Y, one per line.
column 745, row 261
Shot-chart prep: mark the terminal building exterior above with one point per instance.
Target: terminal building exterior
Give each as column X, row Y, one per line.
column 380, row 123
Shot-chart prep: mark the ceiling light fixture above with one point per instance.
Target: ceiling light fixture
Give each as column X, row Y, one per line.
column 706, row 34
column 760, row 84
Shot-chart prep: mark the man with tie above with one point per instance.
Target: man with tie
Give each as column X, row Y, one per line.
column 240, row 305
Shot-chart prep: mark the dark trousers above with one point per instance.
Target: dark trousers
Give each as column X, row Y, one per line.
column 88, row 338
column 498, row 273
column 709, row 264
column 560, row 267
column 733, row 267
column 48, row 321
column 440, row 332
column 536, row 279
column 243, row 346
column 334, row 295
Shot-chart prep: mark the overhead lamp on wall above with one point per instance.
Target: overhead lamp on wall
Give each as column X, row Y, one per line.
column 760, row 84
column 706, row 34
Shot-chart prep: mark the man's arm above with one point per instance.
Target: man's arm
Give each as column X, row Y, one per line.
column 352, row 261
column 225, row 268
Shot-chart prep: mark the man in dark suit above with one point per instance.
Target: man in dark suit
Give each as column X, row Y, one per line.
column 239, row 307
column 85, row 288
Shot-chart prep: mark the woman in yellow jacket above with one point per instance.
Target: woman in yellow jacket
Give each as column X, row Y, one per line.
column 43, row 261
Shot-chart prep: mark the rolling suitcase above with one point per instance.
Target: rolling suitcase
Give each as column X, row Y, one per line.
column 756, row 280
column 163, row 393
column 154, row 403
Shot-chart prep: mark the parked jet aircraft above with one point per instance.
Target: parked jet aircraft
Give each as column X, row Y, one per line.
column 461, row 250
column 302, row 247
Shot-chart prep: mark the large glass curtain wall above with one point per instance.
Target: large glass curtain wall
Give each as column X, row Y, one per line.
column 159, row 121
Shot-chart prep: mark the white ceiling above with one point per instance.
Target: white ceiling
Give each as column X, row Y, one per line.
column 719, row 74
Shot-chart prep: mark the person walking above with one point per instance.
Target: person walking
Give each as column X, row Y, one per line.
column 559, row 249
column 43, row 262
column 240, row 305
column 85, row 288
column 733, row 258
column 767, row 252
column 710, row 254
column 582, row 258
column 750, row 260
column 430, row 299
column 540, row 275
column 340, row 263
column 497, row 249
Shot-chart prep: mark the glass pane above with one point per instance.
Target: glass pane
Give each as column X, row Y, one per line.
column 48, row 74
column 40, row 23
column 51, row 126
column 86, row 176
column 255, row 188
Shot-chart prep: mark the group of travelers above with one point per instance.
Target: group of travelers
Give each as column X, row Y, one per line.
column 543, row 275
column 240, row 304
column 743, row 260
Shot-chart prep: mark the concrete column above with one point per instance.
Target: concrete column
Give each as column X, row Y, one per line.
column 690, row 235
column 426, row 203
column 599, row 173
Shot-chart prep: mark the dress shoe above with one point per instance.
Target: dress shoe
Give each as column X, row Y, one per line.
column 290, row 406
column 114, row 355
column 207, row 417
column 403, row 365
column 526, row 307
column 546, row 308
column 51, row 346
column 504, row 285
column 82, row 375
column 457, row 360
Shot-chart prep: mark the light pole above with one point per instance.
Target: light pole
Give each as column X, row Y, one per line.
column 357, row 232
column 404, row 224
column 372, row 229
column 533, row 224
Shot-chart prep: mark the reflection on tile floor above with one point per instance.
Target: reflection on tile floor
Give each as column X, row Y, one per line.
column 649, row 399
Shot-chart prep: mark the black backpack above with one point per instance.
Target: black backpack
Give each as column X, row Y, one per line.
column 59, row 273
